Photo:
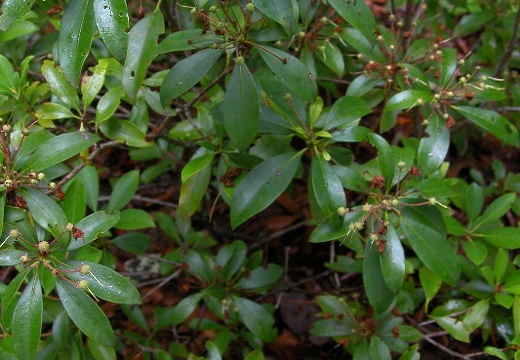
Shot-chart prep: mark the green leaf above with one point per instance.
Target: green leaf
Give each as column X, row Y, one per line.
column 90, row 85
column 189, row 39
column 93, row 225
column 10, row 257
column 108, row 104
column 186, row 73
column 260, row 277
column 90, row 179
column 378, row 293
column 104, row 282
column 378, row 349
column 75, row 202
column 393, row 261
column 408, row 99
column 284, row 12
column 358, row 14
column 255, row 317
column 430, row 283
column 195, row 180
column 27, row 320
column 422, row 229
column 85, row 313
column 59, row 85
column 255, row 355
column 262, row 186
column 476, row 315
column 141, row 51
column 476, row 251
column 474, row 201
column 332, row 56
column 12, row 10
column 494, row 211
column 291, row 72
column 330, row 194
column 52, row 111
column 58, row 149
column 9, row 79
column 454, row 327
column 123, row 191
column 491, row 121
column 504, row 237
column 100, row 351
column 433, row 149
column 123, row 131
column 368, row 48
column 241, row 108
column 75, row 38
column 346, row 112
column 45, row 211
column 178, row 313
column 112, row 23
column 385, row 158
column 501, row 265
column 133, row 219
column 327, row 231
column 448, row 66
column 230, row 259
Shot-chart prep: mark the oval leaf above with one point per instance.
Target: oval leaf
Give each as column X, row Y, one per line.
column 45, row 211
column 12, row 10
column 358, row 14
column 378, row 293
column 281, row 11
column 408, row 99
column 195, row 180
column 433, row 149
column 123, row 191
column 262, row 186
column 393, row 261
column 93, row 225
column 330, row 194
column 255, row 317
column 112, row 22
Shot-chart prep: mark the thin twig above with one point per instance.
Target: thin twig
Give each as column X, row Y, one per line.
column 509, row 109
column 162, row 283
column 448, row 351
column 277, row 234
column 511, row 46
column 209, row 86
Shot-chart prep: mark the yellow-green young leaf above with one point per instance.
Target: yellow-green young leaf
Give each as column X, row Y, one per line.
column 58, row 149
column 358, row 14
column 133, row 219
column 27, row 320
column 393, row 261
column 45, row 211
column 124, row 131
column 12, row 10
column 186, row 73
column 378, row 293
column 92, row 226
column 262, row 186
column 195, row 180
column 315, row 111
column 85, row 313
column 141, row 51
column 104, row 282
column 291, row 72
column 75, row 38
column 123, row 191
column 112, row 23
column 59, row 85
column 90, row 85
column 424, row 230
column 491, row 121
column 284, row 12
column 241, row 108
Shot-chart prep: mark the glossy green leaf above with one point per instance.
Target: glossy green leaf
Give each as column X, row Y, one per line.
column 433, row 149
column 27, row 320
column 379, row 349
column 491, row 121
column 19, row 28
column 230, row 258
column 315, row 110
column 10, row 257
column 408, row 99
column 476, row 251
column 504, row 237
column 476, row 315
column 9, row 296
column 133, row 219
column 75, row 38
column 474, row 201
column 385, row 158
column 283, row 12
column 100, row 351
column 498, row 208
column 330, row 194
column 141, row 51
column 430, row 283
column 454, row 327
column 112, row 23
column 123, row 131
column 332, row 56
column 59, row 85
column 59, row 149
column 262, row 186
column 255, row 317
column 90, row 179
column 85, row 313
column 45, row 211
column 393, row 261
column 12, row 10
column 52, row 111
column 448, row 66
column 104, row 282
column 346, row 112
column 327, row 231
column 195, row 180
column 261, row 277
column 90, row 85
column 501, row 265
column 421, row 227
column 123, row 191
column 186, row 73
column 291, row 72
column 92, row 226
column 378, row 293
column 358, row 14
column 189, row 39
column 366, row 47
column 75, row 202
column 178, row 313
column 241, row 108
